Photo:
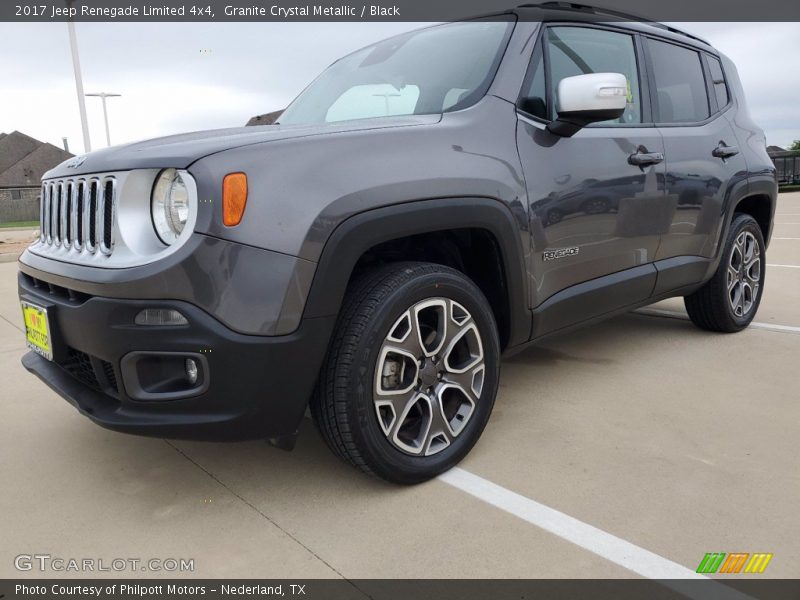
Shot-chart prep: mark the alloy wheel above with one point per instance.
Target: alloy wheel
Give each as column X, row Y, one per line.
column 429, row 376
column 744, row 274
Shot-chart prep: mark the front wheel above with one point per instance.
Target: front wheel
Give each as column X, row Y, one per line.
column 730, row 299
column 411, row 375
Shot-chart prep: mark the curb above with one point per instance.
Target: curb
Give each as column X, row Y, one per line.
column 10, row 257
column 31, row 229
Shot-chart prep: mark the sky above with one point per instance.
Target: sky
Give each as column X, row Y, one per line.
column 180, row 77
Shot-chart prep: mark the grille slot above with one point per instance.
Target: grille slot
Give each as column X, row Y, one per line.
column 79, row 214
column 79, row 365
column 111, row 377
column 59, row 293
column 91, row 371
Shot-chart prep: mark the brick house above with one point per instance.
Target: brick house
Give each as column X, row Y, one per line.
column 265, row 119
column 23, row 161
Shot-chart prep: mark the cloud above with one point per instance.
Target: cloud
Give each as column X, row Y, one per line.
column 172, row 77
column 188, row 76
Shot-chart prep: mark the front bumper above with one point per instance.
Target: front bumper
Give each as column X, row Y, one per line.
column 256, row 386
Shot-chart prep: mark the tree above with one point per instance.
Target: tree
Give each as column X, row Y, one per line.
column 795, row 146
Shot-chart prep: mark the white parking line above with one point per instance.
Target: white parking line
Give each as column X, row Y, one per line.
column 673, row 314
column 599, row 542
column 782, row 238
column 783, row 266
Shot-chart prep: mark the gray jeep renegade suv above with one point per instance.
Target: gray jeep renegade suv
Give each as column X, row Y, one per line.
column 428, row 204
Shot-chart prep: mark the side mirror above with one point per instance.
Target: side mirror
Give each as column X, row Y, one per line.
column 591, row 98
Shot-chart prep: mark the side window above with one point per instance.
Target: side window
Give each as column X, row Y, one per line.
column 681, row 93
column 718, row 79
column 581, row 50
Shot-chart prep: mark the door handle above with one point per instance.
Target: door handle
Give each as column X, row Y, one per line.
column 722, row 151
column 645, row 159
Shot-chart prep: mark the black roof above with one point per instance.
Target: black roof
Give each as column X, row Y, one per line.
column 552, row 10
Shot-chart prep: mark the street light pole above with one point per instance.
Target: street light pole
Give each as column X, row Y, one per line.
column 103, row 96
column 76, row 66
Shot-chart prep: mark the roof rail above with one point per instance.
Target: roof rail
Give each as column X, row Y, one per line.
column 596, row 10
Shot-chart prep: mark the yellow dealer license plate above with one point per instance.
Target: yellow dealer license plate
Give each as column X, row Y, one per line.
column 37, row 330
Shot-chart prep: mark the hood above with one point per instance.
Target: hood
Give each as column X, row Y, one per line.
column 180, row 151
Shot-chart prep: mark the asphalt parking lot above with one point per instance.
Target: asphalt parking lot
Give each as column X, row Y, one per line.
column 630, row 448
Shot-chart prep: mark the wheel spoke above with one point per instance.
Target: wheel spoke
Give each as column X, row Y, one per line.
column 458, row 319
column 430, row 322
column 733, row 278
column 752, row 260
column 736, row 298
column 463, row 379
column 439, row 436
column 391, row 409
column 747, row 297
column 737, row 254
column 742, row 290
column 753, row 272
column 404, row 334
column 456, row 407
column 410, row 429
column 465, row 350
column 470, row 380
column 740, row 244
column 747, row 248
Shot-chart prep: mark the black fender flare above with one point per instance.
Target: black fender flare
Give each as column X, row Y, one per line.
column 744, row 188
column 360, row 232
column 763, row 184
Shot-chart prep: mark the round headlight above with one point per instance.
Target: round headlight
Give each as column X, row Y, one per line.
column 169, row 205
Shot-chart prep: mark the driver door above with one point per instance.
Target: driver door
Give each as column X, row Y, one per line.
column 596, row 219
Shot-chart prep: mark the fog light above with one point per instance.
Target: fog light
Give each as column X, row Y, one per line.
column 191, row 370
column 160, row 316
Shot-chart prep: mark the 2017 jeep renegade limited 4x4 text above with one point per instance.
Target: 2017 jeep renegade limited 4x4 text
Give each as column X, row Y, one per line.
column 427, row 204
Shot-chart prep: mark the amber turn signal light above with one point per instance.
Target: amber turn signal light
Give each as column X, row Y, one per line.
column 234, row 198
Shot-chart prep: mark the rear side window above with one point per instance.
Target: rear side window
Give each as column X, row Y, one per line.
column 718, row 79
column 681, row 93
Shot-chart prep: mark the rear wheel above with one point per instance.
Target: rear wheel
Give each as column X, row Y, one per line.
column 730, row 299
column 411, row 375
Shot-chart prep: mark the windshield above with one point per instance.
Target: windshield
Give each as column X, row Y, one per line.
column 431, row 71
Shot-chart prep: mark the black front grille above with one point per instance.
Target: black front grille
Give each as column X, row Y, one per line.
column 79, row 365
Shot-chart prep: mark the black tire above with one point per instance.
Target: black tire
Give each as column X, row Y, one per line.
column 343, row 405
column 595, row 206
column 554, row 215
column 710, row 307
